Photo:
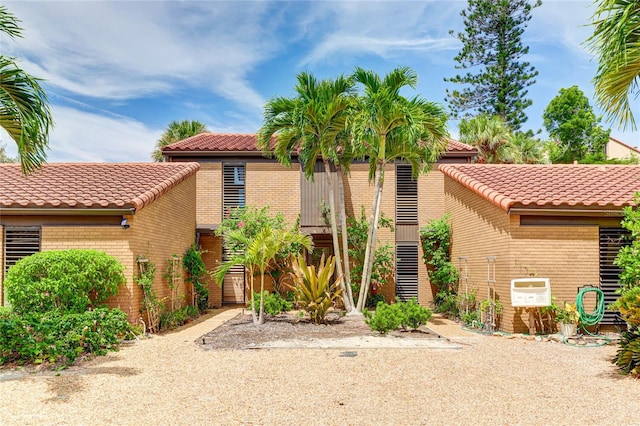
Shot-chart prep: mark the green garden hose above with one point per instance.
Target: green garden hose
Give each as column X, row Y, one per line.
column 593, row 318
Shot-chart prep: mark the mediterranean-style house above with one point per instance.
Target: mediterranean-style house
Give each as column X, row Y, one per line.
column 234, row 173
column 560, row 222
column 130, row 211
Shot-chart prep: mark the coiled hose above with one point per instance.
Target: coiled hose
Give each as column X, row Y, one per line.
column 595, row 316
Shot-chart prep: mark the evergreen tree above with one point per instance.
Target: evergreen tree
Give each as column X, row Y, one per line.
column 491, row 42
column 570, row 120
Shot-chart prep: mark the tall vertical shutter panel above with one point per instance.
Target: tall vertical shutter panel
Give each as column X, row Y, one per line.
column 611, row 240
column 406, row 196
column 407, row 271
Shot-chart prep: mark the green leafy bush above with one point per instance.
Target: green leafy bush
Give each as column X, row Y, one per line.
column 56, row 338
column 628, row 354
column 412, row 315
column 406, row 315
column 385, row 318
column 315, row 293
column 196, row 270
column 274, row 304
column 71, row 281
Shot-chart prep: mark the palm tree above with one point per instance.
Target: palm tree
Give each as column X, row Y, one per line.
column 314, row 122
column 389, row 127
column 523, row 148
column 616, row 43
column 24, row 107
column 490, row 134
column 260, row 251
column 175, row 132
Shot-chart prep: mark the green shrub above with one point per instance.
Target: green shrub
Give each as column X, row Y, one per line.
column 408, row 315
column 196, row 270
column 447, row 303
column 412, row 315
column 72, row 281
column 56, row 338
column 385, row 318
column 170, row 320
column 274, row 304
column 628, row 355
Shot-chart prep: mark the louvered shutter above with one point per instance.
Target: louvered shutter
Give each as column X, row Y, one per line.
column 19, row 242
column 406, row 196
column 611, row 240
column 406, row 271
column 233, row 187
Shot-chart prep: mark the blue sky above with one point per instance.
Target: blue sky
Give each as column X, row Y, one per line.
column 118, row 72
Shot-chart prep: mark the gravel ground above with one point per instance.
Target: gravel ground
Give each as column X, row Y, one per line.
column 171, row 379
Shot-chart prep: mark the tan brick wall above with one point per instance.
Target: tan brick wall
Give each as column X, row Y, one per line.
column 480, row 229
column 430, row 206
column 209, row 193
column 160, row 230
column 567, row 255
column 276, row 186
column 113, row 240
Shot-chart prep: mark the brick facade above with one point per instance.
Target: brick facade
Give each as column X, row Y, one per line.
column 567, row 255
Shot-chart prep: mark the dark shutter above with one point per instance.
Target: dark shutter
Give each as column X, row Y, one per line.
column 406, row 196
column 611, row 240
column 233, row 193
column 19, row 242
column 407, row 271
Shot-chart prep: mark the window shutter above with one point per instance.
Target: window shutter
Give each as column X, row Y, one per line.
column 407, row 271
column 19, row 242
column 406, row 196
column 233, row 190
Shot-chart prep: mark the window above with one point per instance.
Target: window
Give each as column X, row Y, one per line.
column 233, row 191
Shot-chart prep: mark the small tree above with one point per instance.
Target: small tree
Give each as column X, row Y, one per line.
column 570, row 120
column 256, row 245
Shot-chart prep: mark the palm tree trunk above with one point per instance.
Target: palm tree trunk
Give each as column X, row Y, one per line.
column 334, row 233
column 253, row 304
column 345, row 242
column 261, row 315
column 371, row 238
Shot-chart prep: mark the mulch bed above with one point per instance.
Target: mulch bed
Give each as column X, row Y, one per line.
column 241, row 333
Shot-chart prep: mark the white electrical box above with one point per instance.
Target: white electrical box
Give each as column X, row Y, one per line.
column 530, row 292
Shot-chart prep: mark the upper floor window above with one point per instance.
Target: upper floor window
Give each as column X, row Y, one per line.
column 233, row 187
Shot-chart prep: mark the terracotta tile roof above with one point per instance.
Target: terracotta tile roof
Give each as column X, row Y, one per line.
column 549, row 186
column 219, row 142
column 90, row 185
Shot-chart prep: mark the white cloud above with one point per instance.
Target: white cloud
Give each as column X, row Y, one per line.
column 80, row 136
column 125, row 50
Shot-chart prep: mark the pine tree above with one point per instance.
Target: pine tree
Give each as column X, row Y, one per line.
column 492, row 43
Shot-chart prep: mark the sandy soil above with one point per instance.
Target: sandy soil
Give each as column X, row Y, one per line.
column 174, row 379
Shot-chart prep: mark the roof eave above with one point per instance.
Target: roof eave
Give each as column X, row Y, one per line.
column 609, row 211
column 52, row 211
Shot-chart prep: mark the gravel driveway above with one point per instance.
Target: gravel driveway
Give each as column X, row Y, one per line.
column 170, row 380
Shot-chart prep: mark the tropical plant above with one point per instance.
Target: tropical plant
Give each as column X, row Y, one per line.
column 260, row 251
column 314, row 291
column 490, row 134
column 491, row 45
column 628, row 258
column 524, row 148
column 175, row 132
column 616, row 44
column 568, row 314
column 435, row 239
column 571, row 122
column 390, row 127
column 196, row 272
column 628, row 304
column 383, row 262
column 314, row 123
column 627, row 357
column 385, row 318
column 24, row 107
column 151, row 303
column 71, row 281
